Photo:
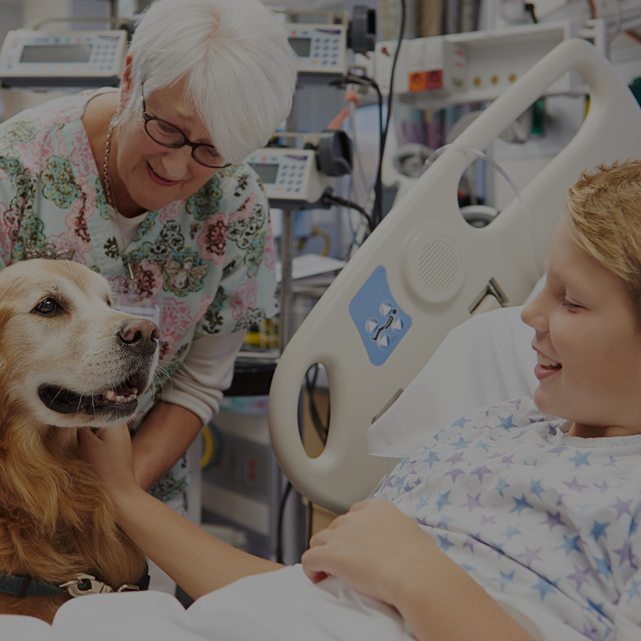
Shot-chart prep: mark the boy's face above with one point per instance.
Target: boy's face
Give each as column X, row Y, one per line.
column 588, row 343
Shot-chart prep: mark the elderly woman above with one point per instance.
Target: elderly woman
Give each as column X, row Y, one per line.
column 147, row 186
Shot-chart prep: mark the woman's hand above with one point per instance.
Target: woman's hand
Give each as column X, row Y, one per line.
column 110, row 454
column 373, row 548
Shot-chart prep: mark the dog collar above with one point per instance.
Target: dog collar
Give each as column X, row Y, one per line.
column 26, row 586
column 80, row 585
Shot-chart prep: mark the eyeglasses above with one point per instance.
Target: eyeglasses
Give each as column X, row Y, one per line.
column 168, row 135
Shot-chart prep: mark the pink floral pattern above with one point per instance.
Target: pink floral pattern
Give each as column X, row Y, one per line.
column 203, row 307
column 77, row 230
column 149, row 279
column 171, row 212
column 270, row 250
column 212, row 240
column 176, row 318
column 81, row 157
column 245, row 298
column 246, row 210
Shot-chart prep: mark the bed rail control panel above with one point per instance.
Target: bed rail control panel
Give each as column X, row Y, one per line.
column 380, row 321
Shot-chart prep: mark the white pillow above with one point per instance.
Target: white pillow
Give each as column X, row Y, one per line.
column 485, row 360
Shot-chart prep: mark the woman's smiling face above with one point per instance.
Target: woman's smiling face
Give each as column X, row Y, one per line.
column 588, row 342
column 148, row 175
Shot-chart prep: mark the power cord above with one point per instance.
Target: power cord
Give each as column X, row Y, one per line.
column 328, row 199
column 377, row 211
column 281, row 515
column 321, row 427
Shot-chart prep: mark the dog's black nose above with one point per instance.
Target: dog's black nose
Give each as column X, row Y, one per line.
column 140, row 335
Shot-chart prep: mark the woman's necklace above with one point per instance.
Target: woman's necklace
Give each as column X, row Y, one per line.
column 109, row 191
column 111, row 201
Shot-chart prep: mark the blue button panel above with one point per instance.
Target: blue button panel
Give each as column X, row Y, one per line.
column 379, row 319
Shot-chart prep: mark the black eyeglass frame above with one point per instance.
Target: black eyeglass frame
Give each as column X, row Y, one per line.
column 147, row 118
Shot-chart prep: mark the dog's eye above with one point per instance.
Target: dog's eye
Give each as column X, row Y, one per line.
column 47, row 306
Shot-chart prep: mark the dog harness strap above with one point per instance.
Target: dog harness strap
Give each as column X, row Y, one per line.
column 143, row 582
column 26, row 586
column 82, row 584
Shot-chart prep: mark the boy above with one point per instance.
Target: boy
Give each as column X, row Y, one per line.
column 507, row 501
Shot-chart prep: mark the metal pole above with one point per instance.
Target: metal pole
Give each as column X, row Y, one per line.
column 286, row 315
column 286, row 327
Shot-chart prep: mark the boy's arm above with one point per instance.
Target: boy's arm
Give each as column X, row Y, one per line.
column 196, row 561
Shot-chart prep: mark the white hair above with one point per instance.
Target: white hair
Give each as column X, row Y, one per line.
column 234, row 54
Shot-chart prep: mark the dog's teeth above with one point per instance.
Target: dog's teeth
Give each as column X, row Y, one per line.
column 110, row 394
column 134, row 391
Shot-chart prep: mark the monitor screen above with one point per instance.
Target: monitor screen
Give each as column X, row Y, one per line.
column 301, row 46
column 56, row 53
column 267, row 172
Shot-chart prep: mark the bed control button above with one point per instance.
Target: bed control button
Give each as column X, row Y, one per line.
column 379, row 319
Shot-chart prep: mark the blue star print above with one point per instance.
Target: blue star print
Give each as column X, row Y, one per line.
column 520, row 504
column 580, row 458
column 598, row 529
column 544, row 587
column 507, row 422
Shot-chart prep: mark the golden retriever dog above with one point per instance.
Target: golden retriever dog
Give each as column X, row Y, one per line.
column 67, row 360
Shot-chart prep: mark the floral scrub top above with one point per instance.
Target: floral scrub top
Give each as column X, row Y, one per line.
column 207, row 263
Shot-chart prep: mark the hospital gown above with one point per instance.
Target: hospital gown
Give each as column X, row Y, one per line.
column 529, row 511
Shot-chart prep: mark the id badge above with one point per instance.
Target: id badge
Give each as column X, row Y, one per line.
column 143, row 307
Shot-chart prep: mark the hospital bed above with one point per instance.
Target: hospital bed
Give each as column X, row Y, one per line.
column 424, row 271
column 433, row 268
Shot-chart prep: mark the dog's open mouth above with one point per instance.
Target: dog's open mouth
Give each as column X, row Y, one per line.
column 117, row 400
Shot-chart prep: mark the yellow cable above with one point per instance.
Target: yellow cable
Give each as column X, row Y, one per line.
column 208, row 447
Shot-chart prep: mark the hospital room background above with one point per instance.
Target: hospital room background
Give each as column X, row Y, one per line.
column 383, row 86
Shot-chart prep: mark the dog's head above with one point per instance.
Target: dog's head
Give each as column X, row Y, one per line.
column 66, row 356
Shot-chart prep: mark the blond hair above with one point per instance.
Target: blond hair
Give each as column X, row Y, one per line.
column 604, row 207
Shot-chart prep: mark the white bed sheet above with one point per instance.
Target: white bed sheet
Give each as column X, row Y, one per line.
column 277, row 606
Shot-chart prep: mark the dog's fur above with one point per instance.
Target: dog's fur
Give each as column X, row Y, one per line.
column 62, row 345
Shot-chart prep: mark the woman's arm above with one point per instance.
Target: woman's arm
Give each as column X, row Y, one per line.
column 162, row 438
column 190, row 399
column 196, row 561
column 382, row 553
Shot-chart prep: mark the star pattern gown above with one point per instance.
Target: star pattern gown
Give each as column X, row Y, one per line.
column 529, row 511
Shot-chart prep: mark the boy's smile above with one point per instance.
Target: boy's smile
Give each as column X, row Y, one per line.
column 545, row 367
